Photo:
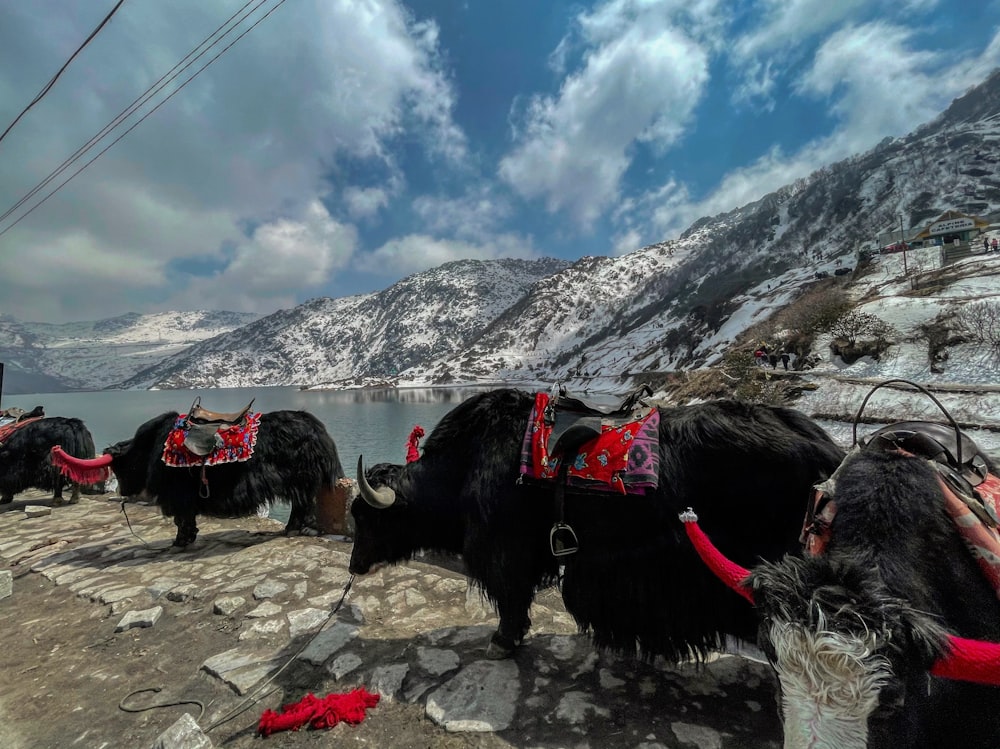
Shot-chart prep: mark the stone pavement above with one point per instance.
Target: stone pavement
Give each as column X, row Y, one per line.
column 256, row 607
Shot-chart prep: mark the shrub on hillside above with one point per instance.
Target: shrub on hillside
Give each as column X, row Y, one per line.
column 751, row 381
column 980, row 321
column 856, row 324
column 814, row 312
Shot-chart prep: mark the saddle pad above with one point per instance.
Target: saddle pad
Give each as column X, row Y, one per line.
column 8, row 429
column 624, row 458
column 238, row 442
column 982, row 540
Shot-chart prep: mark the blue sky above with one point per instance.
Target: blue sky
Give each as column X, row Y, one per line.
column 340, row 146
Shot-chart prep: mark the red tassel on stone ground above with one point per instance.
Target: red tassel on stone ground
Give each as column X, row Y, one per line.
column 318, row 712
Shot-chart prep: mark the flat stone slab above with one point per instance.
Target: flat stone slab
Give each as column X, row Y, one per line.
column 6, row 583
column 328, row 642
column 481, row 697
column 144, row 618
column 37, row 511
column 183, row 734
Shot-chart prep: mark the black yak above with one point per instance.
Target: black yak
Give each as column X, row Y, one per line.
column 634, row 583
column 25, row 459
column 294, row 460
column 887, row 634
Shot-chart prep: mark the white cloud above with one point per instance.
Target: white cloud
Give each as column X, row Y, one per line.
column 877, row 79
column 639, row 81
column 278, row 261
column 417, row 252
column 365, row 202
column 474, row 215
column 255, row 137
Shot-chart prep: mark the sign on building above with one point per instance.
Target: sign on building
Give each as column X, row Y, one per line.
column 951, row 225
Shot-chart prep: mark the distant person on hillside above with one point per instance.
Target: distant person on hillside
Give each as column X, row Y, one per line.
column 784, row 359
column 986, row 244
column 993, row 244
column 774, row 361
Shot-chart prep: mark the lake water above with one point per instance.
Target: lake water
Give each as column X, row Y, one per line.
column 373, row 423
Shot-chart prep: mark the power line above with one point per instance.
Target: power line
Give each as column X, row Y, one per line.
column 160, row 84
column 138, row 122
column 49, row 85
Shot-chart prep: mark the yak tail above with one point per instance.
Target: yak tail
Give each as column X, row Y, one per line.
column 81, row 470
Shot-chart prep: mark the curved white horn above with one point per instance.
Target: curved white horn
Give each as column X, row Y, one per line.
column 380, row 498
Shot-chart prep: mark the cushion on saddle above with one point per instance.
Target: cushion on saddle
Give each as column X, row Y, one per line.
column 623, row 457
column 234, row 444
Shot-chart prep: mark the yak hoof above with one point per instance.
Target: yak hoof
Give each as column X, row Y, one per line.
column 500, row 647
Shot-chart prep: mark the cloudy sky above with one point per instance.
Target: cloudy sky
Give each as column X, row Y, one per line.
column 339, row 146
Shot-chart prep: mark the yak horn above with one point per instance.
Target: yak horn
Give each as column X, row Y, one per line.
column 734, row 576
column 380, row 498
column 977, row 661
column 81, row 470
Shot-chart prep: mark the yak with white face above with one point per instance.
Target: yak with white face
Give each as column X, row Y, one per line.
column 888, row 638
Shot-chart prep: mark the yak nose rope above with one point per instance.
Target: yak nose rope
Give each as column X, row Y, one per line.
column 122, row 706
column 254, row 695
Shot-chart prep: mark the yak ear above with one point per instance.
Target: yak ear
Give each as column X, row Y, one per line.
column 917, row 636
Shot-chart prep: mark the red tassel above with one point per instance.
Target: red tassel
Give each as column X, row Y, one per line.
column 81, row 470
column 318, row 712
column 412, row 453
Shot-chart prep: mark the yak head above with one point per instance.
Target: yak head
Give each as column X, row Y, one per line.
column 855, row 633
column 381, row 518
column 129, row 467
column 849, row 656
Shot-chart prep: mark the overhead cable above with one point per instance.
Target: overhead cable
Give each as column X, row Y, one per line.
column 131, row 110
column 49, row 85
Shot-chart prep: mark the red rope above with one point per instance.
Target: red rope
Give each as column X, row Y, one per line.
column 318, row 712
column 412, row 453
column 732, row 574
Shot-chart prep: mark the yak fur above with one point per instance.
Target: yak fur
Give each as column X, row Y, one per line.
column 895, row 569
column 25, row 457
column 635, row 583
column 295, row 460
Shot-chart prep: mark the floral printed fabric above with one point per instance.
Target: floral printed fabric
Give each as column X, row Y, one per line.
column 237, row 444
column 624, row 458
column 982, row 540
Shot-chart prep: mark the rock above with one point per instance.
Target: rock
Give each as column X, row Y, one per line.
column 6, row 583
column 36, row 511
column 328, row 642
column 183, row 734
column 481, row 697
column 228, row 605
column 269, row 589
column 144, row 618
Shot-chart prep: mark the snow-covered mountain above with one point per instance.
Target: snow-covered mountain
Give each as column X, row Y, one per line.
column 678, row 304
column 43, row 357
column 359, row 340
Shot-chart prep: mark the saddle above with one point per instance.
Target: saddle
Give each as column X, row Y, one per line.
column 935, row 442
column 576, row 421
column 203, row 426
column 958, row 461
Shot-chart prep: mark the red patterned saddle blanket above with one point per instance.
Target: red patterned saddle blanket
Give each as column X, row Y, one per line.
column 621, row 455
column 232, row 443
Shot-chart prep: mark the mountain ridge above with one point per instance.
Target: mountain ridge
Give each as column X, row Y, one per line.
column 680, row 304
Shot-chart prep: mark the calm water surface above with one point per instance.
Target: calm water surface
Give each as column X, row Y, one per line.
column 373, row 423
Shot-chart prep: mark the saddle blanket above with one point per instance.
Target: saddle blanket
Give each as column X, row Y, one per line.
column 624, row 458
column 9, row 428
column 238, row 442
column 983, row 541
